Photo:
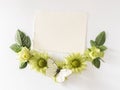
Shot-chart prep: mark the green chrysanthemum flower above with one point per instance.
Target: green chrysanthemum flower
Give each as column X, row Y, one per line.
column 75, row 62
column 92, row 53
column 39, row 61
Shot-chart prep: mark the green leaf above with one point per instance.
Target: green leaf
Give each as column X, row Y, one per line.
column 16, row 48
column 100, row 39
column 23, row 65
column 92, row 43
column 22, row 39
column 20, row 36
column 102, row 48
column 96, row 63
column 27, row 42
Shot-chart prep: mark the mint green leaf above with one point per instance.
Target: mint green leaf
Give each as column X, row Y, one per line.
column 96, row 63
column 20, row 36
column 22, row 39
column 16, row 48
column 102, row 48
column 27, row 42
column 100, row 39
column 23, row 65
column 92, row 43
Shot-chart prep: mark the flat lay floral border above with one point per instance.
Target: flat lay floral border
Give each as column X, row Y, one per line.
column 58, row 70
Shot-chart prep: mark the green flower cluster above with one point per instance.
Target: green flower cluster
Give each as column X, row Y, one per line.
column 92, row 53
column 24, row 54
column 75, row 62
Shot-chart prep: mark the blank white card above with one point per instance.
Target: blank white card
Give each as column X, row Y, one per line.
column 60, row 31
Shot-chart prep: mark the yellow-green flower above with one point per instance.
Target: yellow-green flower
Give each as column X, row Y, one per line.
column 75, row 62
column 92, row 53
column 24, row 54
column 86, row 55
column 38, row 61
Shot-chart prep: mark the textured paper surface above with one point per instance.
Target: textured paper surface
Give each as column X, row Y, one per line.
column 60, row 31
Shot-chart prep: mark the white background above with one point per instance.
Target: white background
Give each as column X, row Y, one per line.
column 103, row 15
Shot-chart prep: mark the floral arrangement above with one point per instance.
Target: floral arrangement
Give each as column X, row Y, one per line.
column 58, row 70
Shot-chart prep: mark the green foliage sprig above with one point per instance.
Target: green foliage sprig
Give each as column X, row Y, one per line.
column 99, row 43
column 22, row 40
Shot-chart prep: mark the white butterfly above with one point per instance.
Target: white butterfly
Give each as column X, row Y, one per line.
column 63, row 74
column 53, row 71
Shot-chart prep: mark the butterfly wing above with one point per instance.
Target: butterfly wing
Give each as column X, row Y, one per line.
column 63, row 74
column 52, row 68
